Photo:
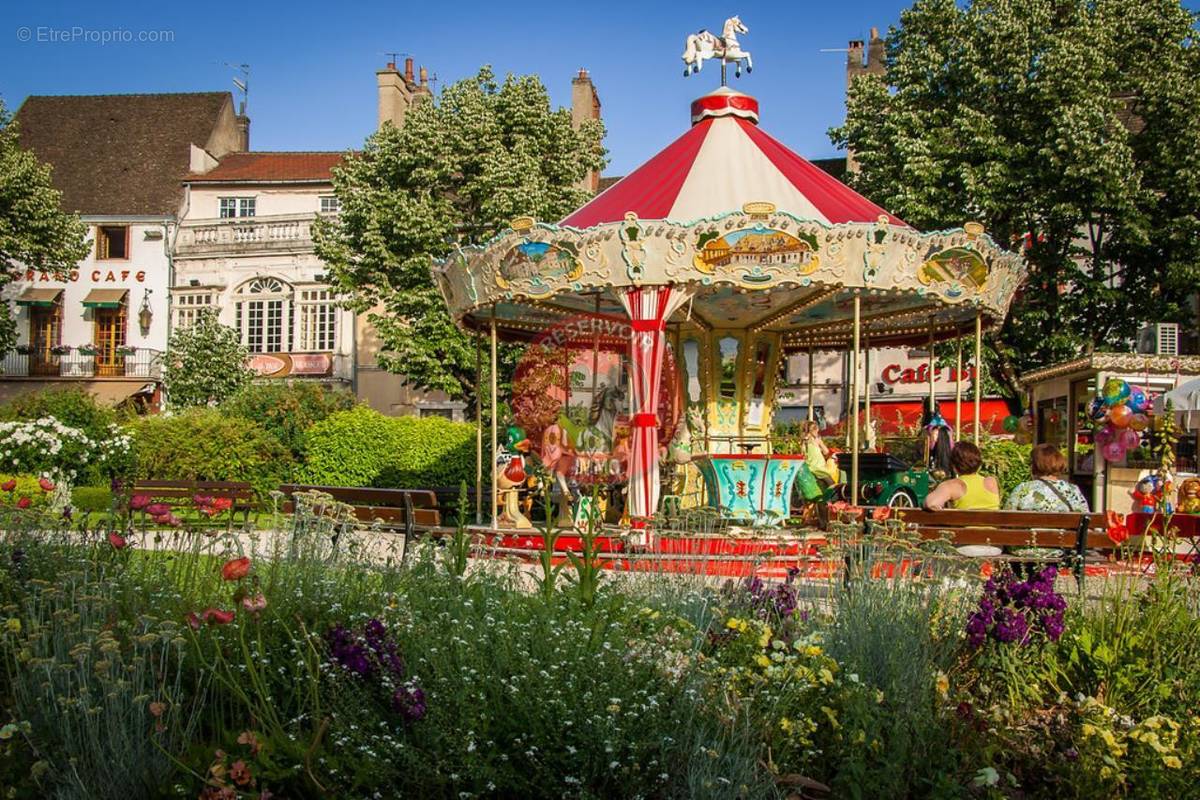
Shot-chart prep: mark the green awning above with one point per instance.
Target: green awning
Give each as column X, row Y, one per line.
column 39, row 297
column 105, row 298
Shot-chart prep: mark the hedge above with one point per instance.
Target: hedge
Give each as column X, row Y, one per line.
column 72, row 406
column 207, row 444
column 362, row 447
column 1008, row 461
column 288, row 410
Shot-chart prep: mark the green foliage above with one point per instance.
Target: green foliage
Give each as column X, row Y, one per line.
column 1008, row 461
column 35, row 232
column 1071, row 123
column 288, row 409
column 206, row 364
column 458, row 171
column 72, row 406
column 362, row 447
column 207, row 444
column 91, row 498
column 26, row 486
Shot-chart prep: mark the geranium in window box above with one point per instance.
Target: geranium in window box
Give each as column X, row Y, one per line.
column 61, row 349
column 87, row 350
column 126, row 351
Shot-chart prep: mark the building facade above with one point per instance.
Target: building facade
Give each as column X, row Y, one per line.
column 116, row 159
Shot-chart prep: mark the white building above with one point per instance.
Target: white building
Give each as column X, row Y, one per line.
column 117, row 160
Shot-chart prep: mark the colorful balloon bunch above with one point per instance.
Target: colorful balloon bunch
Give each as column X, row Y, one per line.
column 1122, row 412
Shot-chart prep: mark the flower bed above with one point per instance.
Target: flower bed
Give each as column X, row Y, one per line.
column 294, row 666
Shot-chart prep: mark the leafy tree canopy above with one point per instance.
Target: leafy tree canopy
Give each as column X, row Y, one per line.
column 455, row 174
column 34, row 230
column 205, row 364
column 1069, row 127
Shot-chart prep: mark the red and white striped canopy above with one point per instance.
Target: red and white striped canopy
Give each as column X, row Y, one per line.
column 723, row 162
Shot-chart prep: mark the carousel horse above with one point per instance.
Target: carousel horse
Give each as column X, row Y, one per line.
column 702, row 45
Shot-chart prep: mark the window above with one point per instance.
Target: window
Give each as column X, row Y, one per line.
column 263, row 314
column 237, row 207
column 110, row 339
column 45, row 333
column 318, row 320
column 330, row 204
column 112, row 242
column 188, row 308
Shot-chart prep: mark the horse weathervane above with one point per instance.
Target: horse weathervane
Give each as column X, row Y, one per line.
column 702, row 45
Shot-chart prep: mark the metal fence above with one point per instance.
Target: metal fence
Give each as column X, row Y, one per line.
column 137, row 363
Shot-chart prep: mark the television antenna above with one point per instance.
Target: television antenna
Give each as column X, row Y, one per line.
column 242, row 84
column 393, row 56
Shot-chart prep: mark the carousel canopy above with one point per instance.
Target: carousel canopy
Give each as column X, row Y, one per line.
column 758, row 240
column 722, row 163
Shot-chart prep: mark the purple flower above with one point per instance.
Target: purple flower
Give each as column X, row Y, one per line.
column 1011, row 610
column 409, row 702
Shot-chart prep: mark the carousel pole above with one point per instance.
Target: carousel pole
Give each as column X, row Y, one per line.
column 810, row 385
column 978, row 371
column 478, row 429
column 495, row 430
column 958, row 390
column 854, row 402
column 867, row 394
column 932, row 393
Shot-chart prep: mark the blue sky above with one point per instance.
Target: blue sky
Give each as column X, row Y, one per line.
column 312, row 84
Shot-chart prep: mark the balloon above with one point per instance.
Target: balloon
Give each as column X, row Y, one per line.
column 1120, row 416
column 1129, row 439
column 1106, row 435
column 1010, row 424
column 1115, row 391
column 1113, row 451
column 1139, row 422
column 1139, row 399
column 1097, row 411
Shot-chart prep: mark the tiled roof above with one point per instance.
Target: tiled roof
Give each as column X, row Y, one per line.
column 607, row 182
column 119, row 154
column 255, row 167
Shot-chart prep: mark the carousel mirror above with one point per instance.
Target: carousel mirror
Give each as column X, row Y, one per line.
column 691, row 371
column 728, row 347
column 758, row 389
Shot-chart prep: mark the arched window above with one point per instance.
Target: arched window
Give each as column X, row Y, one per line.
column 264, row 315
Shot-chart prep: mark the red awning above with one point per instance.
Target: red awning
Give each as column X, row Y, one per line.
column 901, row 416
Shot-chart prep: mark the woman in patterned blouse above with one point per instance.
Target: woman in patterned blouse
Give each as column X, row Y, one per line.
column 1047, row 491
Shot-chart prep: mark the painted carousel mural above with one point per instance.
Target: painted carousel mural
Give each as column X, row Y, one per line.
column 687, row 283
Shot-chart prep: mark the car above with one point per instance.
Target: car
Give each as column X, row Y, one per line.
column 883, row 480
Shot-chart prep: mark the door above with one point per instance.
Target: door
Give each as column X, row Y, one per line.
column 45, row 329
column 110, row 340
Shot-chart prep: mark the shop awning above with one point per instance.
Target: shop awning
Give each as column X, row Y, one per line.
column 38, row 297
column 105, row 298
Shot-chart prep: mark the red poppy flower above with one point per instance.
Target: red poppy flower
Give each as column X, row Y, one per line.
column 46, row 484
column 158, row 509
column 139, row 501
column 222, row 503
column 881, row 513
column 215, row 616
column 24, row 502
column 256, row 604
column 117, row 541
column 202, row 500
column 193, row 620
column 9, row 485
column 1117, row 530
column 236, row 568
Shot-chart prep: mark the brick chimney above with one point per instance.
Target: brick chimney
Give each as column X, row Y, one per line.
column 855, row 66
column 243, row 133
column 585, row 105
column 395, row 94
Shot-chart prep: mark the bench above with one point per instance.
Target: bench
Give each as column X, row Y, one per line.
column 1070, row 531
column 397, row 509
column 181, row 494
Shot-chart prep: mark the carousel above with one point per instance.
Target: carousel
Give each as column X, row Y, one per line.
column 693, row 279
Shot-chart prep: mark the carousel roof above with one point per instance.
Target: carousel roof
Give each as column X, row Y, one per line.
column 722, row 162
column 756, row 237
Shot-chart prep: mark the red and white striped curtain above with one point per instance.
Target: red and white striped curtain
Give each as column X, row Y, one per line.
column 648, row 309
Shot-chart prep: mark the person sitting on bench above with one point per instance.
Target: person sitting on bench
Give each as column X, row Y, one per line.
column 969, row 491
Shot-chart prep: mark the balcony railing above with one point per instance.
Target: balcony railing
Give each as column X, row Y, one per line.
column 141, row 363
column 278, row 233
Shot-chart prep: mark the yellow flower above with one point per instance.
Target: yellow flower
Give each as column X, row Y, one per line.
column 765, row 638
column 826, row 676
column 762, row 661
column 1173, row 762
column 832, row 716
column 13, row 625
column 785, row 725
column 943, row 684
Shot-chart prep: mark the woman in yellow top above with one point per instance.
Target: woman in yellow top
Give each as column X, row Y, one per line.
column 816, row 452
column 970, row 491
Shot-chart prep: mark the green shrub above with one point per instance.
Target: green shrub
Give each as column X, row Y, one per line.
column 91, row 498
column 72, row 406
column 208, row 444
column 287, row 410
column 1008, row 461
column 362, row 447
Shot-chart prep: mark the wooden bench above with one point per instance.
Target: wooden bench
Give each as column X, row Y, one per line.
column 396, row 509
column 1073, row 532
column 181, row 494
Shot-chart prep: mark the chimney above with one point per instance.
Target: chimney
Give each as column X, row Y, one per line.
column 408, row 70
column 855, row 66
column 585, row 105
column 875, row 54
column 394, row 94
column 243, row 133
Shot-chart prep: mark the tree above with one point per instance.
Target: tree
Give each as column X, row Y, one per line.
column 35, row 233
column 1068, row 127
column 455, row 174
column 205, row 364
